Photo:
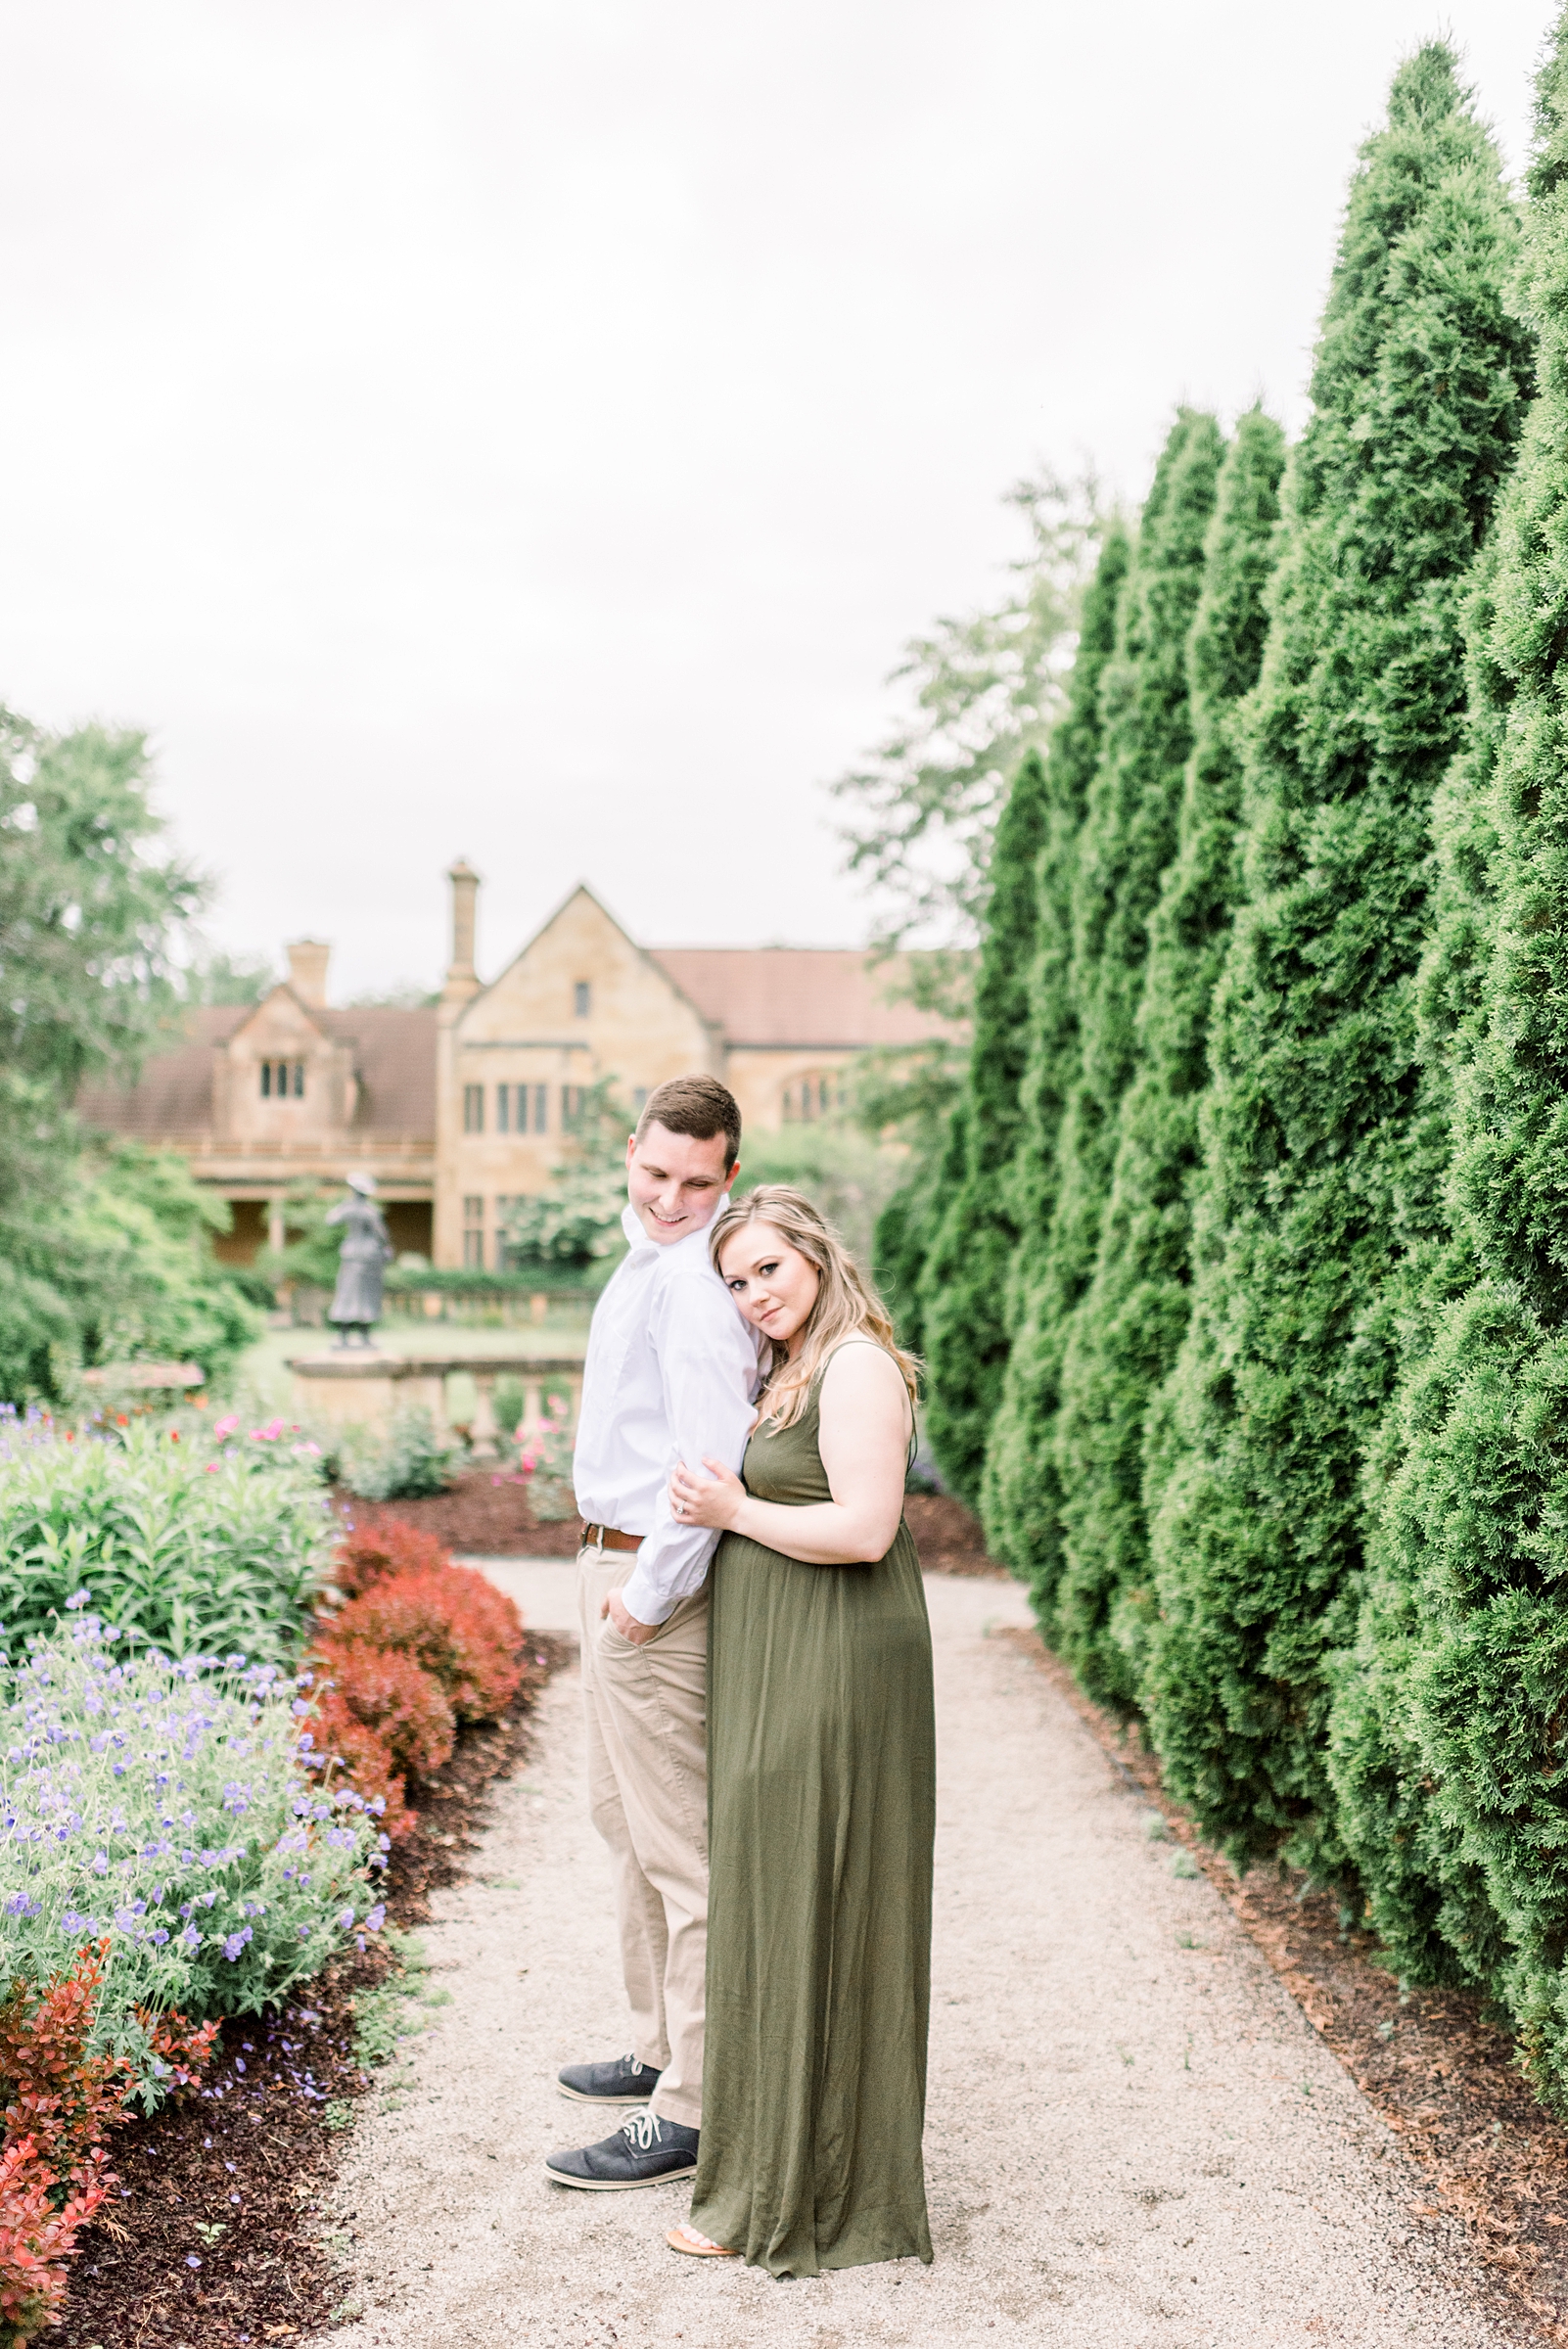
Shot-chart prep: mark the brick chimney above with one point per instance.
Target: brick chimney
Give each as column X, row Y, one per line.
column 462, row 980
column 307, row 969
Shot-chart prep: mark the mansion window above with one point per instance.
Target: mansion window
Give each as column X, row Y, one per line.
column 508, row 1254
column 474, row 1231
column 521, row 1108
column 582, row 998
column 473, row 1109
column 811, row 1097
column 282, row 1079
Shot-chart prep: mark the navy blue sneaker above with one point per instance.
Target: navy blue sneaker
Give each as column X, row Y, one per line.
column 643, row 2151
column 623, row 2081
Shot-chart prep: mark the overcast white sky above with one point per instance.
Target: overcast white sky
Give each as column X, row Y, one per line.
column 529, row 429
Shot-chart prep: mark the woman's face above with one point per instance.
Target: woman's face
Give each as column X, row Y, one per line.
column 774, row 1285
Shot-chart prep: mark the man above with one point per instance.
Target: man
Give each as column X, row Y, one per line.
column 670, row 1373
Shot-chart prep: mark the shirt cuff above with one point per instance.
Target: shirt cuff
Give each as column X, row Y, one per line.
column 642, row 1601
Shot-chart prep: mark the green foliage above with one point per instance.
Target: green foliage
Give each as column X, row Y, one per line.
column 985, row 690
column 401, row 1462
column 1127, row 840
column 1316, row 1177
column 308, row 1256
column 906, row 1226
column 220, row 978
column 166, row 1807
column 1449, row 1757
column 964, row 1276
column 578, row 1218
column 188, row 1539
column 1127, row 1328
column 1008, row 1491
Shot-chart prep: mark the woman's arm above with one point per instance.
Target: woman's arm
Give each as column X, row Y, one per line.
column 863, row 1436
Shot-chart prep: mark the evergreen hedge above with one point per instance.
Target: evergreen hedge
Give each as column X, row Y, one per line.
column 965, row 1277
column 1452, row 1749
column 1072, row 755
column 1316, row 1183
column 1127, row 1328
column 1127, row 839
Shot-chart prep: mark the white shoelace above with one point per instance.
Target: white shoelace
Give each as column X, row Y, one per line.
column 641, row 2129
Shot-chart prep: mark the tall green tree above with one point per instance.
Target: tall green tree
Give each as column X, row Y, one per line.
column 1128, row 838
column 1317, row 1181
column 1453, row 1771
column 1007, row 1494
column 964, row 1276
column 1130, row 1322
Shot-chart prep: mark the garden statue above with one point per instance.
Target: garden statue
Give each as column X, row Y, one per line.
column 365, row 1251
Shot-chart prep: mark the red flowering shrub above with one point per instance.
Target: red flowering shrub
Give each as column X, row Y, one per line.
column 372, row 1553
column 61, row 2098
column 389, row 1693
column 467, row 1635
column 365, row 1760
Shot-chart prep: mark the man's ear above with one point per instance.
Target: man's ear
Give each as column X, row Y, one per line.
column 631, row 1148
column 730, row 1177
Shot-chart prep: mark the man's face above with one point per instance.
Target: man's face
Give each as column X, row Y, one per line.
column 675, row 1183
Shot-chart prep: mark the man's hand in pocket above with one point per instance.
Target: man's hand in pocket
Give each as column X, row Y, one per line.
column 626, row 1625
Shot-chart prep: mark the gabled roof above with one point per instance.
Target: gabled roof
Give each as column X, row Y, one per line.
column 395, row 1060
column 833, row 997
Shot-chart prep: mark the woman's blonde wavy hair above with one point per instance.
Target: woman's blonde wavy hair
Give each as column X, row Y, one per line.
column 846, row 1305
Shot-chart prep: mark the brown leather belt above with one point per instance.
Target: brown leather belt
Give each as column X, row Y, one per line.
column 605, row 1536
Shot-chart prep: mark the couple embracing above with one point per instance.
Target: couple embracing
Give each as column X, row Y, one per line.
column 756, row 1672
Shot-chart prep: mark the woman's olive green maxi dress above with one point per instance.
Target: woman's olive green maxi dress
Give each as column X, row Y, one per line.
column 821, row 1794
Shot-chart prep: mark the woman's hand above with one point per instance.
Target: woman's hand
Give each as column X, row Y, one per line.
column 713, row 1499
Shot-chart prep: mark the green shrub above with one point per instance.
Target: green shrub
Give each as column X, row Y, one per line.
column 1449, row 1754
column 187, row 1542
column 1128, row 1327
column 965, row 1277
column 1128, row 839
column 399, row 1463
column 1010, row 1493
column 165, row 1807
column 1317, row 1176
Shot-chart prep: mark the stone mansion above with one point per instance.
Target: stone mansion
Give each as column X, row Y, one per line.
column 459, row 1109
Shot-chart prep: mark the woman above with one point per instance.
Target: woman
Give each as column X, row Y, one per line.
column 821, row 1772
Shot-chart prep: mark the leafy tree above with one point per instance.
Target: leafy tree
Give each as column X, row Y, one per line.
column 984, row 689
column 851, row 1174
column 1128, row 838
column 1127, row 1328
column 1316, row 1175
column 1464, row 1637
column 578, row 1218
column 905, row 1227
column 964, row 1276
column 1008, row 1491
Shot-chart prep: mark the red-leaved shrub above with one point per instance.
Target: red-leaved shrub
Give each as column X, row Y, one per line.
column 389, row 1693
column 372, row 1553
column 61, row 2098
column 465, row 1633
column 365, row 1761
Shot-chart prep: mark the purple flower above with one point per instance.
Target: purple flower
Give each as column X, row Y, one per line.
column 376, row 1917
column 234, row 1945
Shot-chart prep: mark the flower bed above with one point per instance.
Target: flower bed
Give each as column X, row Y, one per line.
column 188, row 1539
column 224, row 2189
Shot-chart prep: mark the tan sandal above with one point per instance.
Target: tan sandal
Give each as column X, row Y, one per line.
column 696, row 2247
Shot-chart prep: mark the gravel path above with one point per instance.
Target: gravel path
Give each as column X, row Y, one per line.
column 1135, row 2140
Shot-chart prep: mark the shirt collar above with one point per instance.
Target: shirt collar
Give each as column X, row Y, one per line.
column 640, row 1244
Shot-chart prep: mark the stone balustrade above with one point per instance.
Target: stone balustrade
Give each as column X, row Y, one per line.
column 351, row 1387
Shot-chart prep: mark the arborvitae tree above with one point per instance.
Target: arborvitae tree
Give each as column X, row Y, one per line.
column 1072, row 758
column 906, row 1226
column 964, row 1278
column 1128, row 1327
column 1128, row 839
column 1316, row 1180
column 1473, row 1549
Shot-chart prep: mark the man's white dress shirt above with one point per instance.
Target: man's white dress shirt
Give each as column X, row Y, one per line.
column 670, row 1374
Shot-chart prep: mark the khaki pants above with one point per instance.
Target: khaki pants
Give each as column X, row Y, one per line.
column 647, row 1718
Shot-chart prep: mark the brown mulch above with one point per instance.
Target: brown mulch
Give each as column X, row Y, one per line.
column 254, row 2158
column 949, row 1538
column 485, row 1515
column 1441, row 2074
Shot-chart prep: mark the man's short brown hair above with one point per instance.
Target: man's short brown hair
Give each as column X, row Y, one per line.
column 698, row 1106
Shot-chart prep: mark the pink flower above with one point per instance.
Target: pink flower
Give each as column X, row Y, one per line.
column 269, row 1434
column 226, row 1427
